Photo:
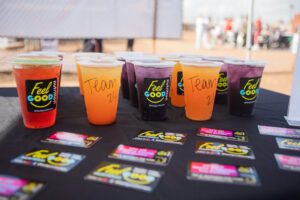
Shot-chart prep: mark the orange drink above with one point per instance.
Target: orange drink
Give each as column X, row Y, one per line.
column 84, row 56
column 101, row 84
column 200, row 82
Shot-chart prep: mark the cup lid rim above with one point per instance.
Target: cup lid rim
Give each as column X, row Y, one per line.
column 251, row 63
column 200, row 63
column 124, row 54
column 101, row 62
column 31, row 59
column 219, row 58
column 159, row 64
column 88, row 54
column 143, row 58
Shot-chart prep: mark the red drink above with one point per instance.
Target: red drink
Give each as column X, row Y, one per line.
column 38, row 80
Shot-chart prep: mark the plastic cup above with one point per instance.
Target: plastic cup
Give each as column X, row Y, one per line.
column 153, row 84
column 101, row 84
column 177, row 89
column 37, row 79
column 79, row 57
column 244, row 78
column 200, row 83
column 132, row 77
column 122, row 55
column 222, row 87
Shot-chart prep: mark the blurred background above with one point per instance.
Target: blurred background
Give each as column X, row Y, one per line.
column 204, row 27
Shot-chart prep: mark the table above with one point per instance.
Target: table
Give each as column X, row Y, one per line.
column 271, row 107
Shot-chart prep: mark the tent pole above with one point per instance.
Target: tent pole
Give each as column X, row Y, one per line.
column 154, row 27
column 249, row 30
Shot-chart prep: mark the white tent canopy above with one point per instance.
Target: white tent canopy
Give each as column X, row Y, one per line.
column 90, row 18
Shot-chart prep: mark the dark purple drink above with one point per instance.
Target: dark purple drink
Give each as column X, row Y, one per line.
column 222, row 87
column 124, row 81
column 153, row 84
column 121, row 55
column 132, row 77
column 243, row 80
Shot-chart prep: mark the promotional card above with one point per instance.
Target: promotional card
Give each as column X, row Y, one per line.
column 213, row 172
column 15, row 188
column 165, row 137
column 143, row 155
column 240, row 136
column 55, row 160
column 72, row 139
column 127, row 176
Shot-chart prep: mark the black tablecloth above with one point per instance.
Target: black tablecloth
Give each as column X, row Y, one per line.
column 270, row 109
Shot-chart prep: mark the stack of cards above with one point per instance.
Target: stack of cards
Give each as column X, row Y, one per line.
column 223, row 134
column 14, row 188
column 56, row 160
column 224, row 149
column 213, row 172
column 277, row 131
column 285, row 162
column 165, row 137
column 126, row 176
column 287, row 143
column 72, row 139
column 143, row 155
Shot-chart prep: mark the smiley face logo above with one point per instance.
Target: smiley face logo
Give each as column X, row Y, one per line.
column 250, row 88
column 222, row 82
column 156, row 91
column 138, row 178
column 41, row 95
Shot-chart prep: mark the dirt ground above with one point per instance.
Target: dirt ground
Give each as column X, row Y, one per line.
column 278, row 73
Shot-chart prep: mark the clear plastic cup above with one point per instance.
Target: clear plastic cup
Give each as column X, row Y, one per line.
column 101, row 84
column 132, row 77
column 200, row 83
column 79, row 57
column 38, row 80
column 244, row 79
column 153, row 84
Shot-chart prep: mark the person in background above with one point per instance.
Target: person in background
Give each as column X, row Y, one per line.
column 257, row 32
column 130, row 43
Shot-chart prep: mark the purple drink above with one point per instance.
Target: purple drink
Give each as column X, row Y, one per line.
column 243, row 80
column 132, row 77
column 124, row 81
column 153, row 84
column 222, row 87
column 121, row 55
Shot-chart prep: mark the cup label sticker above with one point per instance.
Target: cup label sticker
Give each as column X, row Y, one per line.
column 159, row 136
column 222, row 87
column 143, row 155
column 41, row 95
column 15, row 188
column 249, row 89
column 127, row 176
column 224, row 149
column 180, row 90
column 156, row 92
column 55, row 160
column 213, row 172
